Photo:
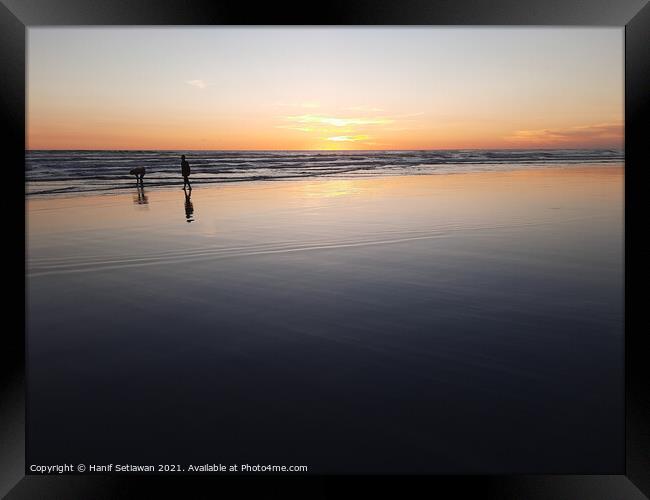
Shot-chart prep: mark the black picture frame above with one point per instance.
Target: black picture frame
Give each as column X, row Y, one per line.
column 18, row 15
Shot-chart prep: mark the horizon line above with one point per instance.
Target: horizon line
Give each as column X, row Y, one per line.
column 333, row 150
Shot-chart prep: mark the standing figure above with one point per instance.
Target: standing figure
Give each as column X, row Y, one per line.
column 185, row 172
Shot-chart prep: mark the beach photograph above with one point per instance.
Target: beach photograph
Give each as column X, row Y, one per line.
column 310, row 250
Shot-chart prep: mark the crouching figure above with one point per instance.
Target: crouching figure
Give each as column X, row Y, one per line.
column 139, row 174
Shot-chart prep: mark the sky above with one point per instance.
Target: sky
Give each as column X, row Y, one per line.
column 333, row 88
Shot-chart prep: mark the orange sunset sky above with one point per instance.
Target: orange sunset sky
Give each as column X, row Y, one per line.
column 324, row 88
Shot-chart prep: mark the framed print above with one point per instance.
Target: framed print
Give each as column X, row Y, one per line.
column 293, row 252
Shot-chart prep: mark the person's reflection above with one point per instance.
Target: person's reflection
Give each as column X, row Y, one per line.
column 140, row 198
column 189, row 207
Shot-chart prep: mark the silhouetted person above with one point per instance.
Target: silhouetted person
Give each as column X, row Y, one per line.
column 139, row 174
column 189, row 207
column 185, row 171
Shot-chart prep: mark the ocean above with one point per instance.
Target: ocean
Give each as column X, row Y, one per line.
column 66, row 172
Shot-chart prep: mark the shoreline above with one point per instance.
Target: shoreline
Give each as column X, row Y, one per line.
column 123, row 189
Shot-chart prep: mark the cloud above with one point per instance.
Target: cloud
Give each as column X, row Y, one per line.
column 348, row 128
column 337, row 121
column 348, row 138
column 292, row 127
column 599, row 132
column 201, row 84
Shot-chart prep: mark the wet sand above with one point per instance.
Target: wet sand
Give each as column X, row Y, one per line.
column 464, row 323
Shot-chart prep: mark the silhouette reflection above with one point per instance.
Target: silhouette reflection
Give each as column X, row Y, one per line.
column 189, row 207
column 140, row 198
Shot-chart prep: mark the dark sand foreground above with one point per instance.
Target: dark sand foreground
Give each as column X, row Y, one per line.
column 467, row 323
